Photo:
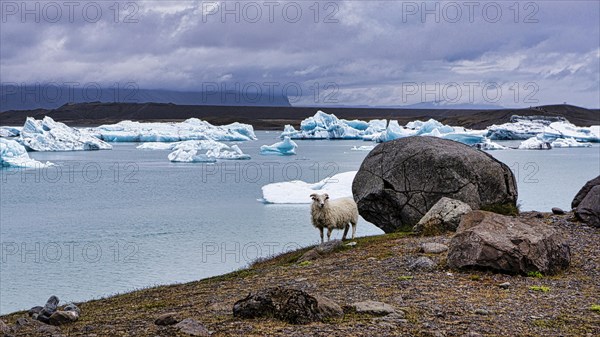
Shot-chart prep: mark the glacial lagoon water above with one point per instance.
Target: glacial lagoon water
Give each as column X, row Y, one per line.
column 108, row 222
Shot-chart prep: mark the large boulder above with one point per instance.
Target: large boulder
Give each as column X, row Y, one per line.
column 507, row 244
column 399, row 181
column 287, row 304
column 587, row 203
column 444, row 216
column 584, row 191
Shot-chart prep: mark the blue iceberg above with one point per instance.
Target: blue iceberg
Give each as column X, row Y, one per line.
column 286, row 147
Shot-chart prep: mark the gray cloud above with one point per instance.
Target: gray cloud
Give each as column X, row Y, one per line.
column 373, row 52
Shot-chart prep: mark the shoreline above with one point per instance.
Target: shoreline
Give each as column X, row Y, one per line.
column 444, row 300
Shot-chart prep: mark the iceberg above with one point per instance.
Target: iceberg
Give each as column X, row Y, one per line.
column 549, row 127
column 488, row 145
column 394, row 131
column 188, row 152
column 8, row 131
column 567, row 130
column 326, row 126
column 298, row 192
column 362, row 148
column 190, row 129
column 13, row 154
column 569, row 142
column 185, row 145
column 284, row 148
column 430, row 128
column 535, row 143
column 48, row 135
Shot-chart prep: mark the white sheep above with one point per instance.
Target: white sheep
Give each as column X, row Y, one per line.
column 334, row 214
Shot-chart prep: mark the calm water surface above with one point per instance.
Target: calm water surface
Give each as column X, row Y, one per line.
column 112, row 221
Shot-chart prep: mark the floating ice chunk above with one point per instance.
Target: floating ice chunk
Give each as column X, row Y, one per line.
column 568, row 130
column 522, row 129
column 231, row 153
column 429, row 126
column 298, row 192
column 535, row 143
column 356, row 124
column 488, row 145
column 284, row 148
column 191, row 156
column 156, row 146
column 9, row 131
column 191, row 129
column 394, row 131
column 190, row 152
column 13, row 154
column 48, row 135
column 326, row 126
column 569, row 142
column 186, row 145
column 464, row 137
column 363, row 148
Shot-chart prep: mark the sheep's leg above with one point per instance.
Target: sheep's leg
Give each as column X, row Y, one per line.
column 321, row 230
column 345, row 232
column 353, row 229
column 329, row 229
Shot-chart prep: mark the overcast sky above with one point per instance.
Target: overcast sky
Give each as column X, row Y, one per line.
column 356, row 52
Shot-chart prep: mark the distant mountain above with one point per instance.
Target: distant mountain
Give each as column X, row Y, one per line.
column 438, row 105
column 16, row 97
column 444, row 105
column 274, row 118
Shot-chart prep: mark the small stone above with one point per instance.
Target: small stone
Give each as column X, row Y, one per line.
column 63, row 317
column 353, row 243
column 301, row 279
column 557, row 211
column 34, row 311
column 422, row 263
column 433, row 248
column 192, row 327
column 169, row 318
column 22, row 321
column 373, row 308
column 482, row 312
column 72, row 307
column 504, row 285
column 48, row 330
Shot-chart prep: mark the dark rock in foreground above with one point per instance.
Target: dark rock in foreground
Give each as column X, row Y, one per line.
column 399, row 181
column 507, row 244
column 584, row 191
column 286, row 304
column 587, row 203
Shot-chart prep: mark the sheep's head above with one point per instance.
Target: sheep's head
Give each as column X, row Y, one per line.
column 320, row 199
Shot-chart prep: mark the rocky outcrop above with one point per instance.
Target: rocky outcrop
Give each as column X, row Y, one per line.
column 290, row 305
column 444, row 216
column 587, row 203
column 399, row 181
column 507, row 244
